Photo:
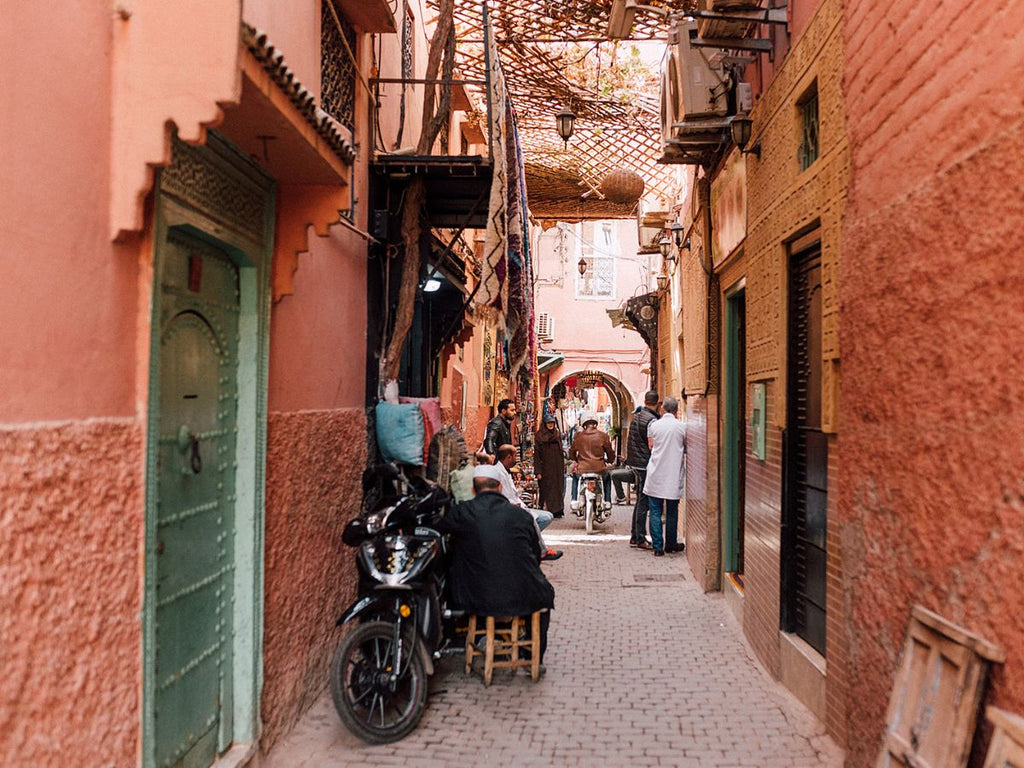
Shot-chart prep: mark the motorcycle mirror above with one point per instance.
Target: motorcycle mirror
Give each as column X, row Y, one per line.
column 354, row 533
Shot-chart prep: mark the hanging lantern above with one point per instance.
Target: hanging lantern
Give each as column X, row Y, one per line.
column 565, row 122
column 622, row 186
column 582, row 266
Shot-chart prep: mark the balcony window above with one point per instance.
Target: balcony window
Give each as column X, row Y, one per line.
column 337, row 68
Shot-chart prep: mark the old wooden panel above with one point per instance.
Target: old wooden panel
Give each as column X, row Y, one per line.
column 935, row 697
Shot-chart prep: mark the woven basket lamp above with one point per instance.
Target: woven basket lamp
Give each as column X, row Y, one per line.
column 622, row 186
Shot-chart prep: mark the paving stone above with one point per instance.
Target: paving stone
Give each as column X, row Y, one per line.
column 643, row 669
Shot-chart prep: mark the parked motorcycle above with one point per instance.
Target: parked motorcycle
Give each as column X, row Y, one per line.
column 593, row 506
column 380, row 670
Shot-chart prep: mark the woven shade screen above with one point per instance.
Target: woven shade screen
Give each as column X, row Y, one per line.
column 541, row 44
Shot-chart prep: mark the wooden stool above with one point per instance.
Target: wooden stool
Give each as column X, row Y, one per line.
column 503, row 644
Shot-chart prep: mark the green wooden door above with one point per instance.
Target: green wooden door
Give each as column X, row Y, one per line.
column 198, row 394
column 735, row 433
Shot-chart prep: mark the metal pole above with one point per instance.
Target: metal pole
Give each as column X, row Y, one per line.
column 488, row 38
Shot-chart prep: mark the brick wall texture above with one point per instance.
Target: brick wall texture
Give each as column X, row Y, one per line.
column 931, row 492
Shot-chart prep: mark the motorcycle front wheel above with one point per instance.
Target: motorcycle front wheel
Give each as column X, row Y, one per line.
column 375, row 704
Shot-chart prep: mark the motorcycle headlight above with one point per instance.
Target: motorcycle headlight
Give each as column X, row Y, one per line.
column 395, row 560
column 375, row 521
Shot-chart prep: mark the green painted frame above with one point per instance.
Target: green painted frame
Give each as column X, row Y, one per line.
column 734, row 423
column 253, row 256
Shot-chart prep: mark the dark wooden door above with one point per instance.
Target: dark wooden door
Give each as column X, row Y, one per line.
column 806, row 464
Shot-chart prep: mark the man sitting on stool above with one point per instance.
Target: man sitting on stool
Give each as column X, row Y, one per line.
column 506, row 459
column 496, row 553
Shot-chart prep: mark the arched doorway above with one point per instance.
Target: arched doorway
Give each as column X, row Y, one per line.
column 596, row 391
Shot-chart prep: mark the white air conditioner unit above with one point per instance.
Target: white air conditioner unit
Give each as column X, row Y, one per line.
column 545, row 327
column 691, row 88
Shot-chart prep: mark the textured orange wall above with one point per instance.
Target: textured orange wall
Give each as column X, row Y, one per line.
column 932, row 446
column 318, row 334
column 67, row 298
column 314, row 463
column 71, row 500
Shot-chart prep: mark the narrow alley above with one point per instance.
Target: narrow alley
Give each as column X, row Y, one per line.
column 643, row 669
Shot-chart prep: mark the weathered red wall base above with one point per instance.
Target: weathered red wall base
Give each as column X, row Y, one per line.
column 932, row 441
column 315, row 461
column 71, row 501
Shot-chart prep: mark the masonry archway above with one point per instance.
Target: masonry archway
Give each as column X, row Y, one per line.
column 586, row 390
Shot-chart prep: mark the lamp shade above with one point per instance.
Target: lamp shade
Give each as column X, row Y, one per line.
column 665, row 248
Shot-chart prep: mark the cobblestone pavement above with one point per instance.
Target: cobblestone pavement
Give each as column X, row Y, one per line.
column 643, row 669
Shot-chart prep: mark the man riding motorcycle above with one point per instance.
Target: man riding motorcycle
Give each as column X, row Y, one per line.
column 592, row 451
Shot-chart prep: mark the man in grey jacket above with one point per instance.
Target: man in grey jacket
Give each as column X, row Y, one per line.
column 638, row 453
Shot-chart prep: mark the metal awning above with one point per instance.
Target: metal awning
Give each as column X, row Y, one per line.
column 548, row 360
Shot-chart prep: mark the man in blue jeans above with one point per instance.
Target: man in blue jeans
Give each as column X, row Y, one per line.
column 665, row 476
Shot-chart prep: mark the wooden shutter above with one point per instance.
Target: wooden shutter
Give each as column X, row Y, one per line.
column 1007, row 747
column 935, row 697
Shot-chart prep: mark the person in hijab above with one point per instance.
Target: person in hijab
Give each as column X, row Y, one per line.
column 549, row 467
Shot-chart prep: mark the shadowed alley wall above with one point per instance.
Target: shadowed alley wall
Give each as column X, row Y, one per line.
column 932, row 446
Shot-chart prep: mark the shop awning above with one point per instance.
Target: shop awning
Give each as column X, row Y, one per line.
column 548, row 360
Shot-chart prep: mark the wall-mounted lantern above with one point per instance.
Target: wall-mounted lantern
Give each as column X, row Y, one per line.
column 665, row 249
column 678, row 233
column 565, row 122
column 741, row 127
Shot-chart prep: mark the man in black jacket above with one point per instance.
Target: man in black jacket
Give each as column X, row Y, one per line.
column 638, row 453
column 496, row 554
column 499, row 429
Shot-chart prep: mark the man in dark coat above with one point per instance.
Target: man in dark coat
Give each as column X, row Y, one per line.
column 499, row 429
column 638, row 453
column 496, row 553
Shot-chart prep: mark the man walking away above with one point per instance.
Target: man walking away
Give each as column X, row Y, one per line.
column 499, row 429
column 664, row 483
column 496, row 553
column 638, row 453
column 506, row 460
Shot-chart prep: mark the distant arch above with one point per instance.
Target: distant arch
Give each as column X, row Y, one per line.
column 618, row 393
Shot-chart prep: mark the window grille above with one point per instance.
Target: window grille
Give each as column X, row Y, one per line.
column 808, row 106
column 599, row 279
column 337, row 70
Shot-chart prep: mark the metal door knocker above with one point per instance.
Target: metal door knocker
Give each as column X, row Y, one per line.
column 190, row 442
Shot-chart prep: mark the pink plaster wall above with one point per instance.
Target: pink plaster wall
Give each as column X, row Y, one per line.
column 314, row 460
column 931, row 494
column 318, row 334
column 583, row 330
column 291, row 26
column 67, row 323
column 71, row 500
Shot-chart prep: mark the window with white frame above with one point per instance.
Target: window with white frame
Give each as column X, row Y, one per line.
column 598, row 280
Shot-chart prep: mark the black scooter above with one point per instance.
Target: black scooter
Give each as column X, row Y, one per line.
column 380, row 670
